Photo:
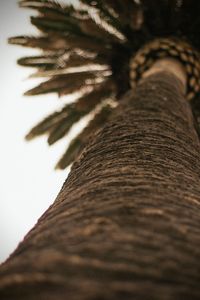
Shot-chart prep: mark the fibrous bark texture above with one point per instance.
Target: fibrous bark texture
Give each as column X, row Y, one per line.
column 126, row 224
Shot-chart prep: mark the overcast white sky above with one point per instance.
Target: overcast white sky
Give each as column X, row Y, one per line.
column 29, row 183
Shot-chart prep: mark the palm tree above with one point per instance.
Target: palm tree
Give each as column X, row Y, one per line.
column 126, row 222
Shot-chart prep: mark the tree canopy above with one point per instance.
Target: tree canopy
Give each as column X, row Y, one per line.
column 92, row 51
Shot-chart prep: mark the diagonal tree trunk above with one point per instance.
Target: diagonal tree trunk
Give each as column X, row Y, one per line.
column 126, row 224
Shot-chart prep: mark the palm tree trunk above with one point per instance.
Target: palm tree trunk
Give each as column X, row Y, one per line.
column 126, row 224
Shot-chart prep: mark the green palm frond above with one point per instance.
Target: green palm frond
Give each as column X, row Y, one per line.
column 88, row 48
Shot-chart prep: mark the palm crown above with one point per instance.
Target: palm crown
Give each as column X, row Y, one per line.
column 89, row 49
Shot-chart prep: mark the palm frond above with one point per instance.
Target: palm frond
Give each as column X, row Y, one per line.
column 51, row 64
column 43, row 61
column 54, row 42
column 49, row 122
column 88, row 49
column 66, row 84
column 59, row 123
column 47, row 4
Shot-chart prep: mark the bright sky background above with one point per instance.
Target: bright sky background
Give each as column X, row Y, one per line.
column 29, row 183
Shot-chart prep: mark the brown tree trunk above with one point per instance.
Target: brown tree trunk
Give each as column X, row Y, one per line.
column 126, row 224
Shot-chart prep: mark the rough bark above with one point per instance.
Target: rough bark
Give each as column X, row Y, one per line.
column 126, row 224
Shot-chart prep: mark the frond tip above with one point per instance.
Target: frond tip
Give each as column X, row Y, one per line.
column 88, row 49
